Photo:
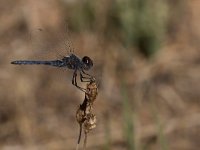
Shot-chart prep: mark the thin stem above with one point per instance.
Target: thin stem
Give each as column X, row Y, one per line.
column 85, row 142
column 79, row 137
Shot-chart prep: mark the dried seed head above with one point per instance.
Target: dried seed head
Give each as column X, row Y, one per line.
column 84, row 114
column 91, row 91
column 90, row 122
column 80, row 116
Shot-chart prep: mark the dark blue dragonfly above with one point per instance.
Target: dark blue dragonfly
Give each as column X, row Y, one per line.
column 71, row 62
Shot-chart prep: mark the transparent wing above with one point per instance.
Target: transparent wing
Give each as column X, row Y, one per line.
column 49, row 44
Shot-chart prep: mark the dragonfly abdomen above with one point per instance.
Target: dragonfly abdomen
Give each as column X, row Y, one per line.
column 56, row 63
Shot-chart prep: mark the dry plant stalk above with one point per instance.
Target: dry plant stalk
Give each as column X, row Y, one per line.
column 84, row 115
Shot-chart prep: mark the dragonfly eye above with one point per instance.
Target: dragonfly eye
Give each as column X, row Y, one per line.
column 88, row 62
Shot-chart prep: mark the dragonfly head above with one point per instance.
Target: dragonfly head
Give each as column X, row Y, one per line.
column 88, row 63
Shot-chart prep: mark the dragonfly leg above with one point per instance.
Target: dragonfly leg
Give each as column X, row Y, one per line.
column 86, row 74
column 84, row 79
column 74, row 82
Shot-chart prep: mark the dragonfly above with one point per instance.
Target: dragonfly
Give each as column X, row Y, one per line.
column 71, row 61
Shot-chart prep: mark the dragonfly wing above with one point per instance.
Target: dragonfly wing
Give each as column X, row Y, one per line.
column 48, row 44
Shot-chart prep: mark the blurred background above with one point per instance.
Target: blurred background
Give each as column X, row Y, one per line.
column 146, row 59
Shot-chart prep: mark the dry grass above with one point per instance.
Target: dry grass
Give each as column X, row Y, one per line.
column 38, row 104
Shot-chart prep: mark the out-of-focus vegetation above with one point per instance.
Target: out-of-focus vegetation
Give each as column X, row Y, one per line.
column 141, row 24
column 146, row 58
